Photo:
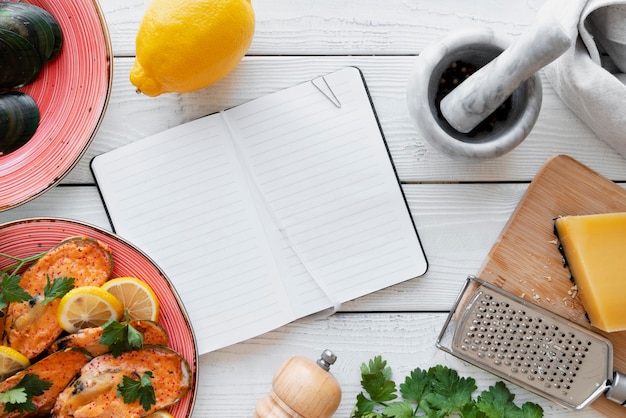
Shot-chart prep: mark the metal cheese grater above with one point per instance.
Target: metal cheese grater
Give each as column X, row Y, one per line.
column 531, row 346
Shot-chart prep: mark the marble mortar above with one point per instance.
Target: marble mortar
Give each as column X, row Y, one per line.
column 477, row 46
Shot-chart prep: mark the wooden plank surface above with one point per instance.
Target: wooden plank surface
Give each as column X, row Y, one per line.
column 349, row 27
column 525, row 260
column 459, row 208
column 457, row 223
column 455, row 228
column 130, row 117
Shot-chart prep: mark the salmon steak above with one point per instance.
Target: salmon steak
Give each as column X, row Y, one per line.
column 31, row 326
column 94, row 393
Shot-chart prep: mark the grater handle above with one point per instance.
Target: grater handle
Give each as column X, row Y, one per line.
column 617, row 389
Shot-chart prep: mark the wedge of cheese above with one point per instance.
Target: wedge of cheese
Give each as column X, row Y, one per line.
column 594, row 247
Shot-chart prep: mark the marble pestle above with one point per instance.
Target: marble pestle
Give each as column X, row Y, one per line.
column 481, row 93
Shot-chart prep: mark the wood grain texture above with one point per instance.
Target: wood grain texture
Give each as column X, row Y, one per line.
column 457, row 224
column 525, row 259
column 131, row 117
column 355, row 27
column 456, row 235
column 82, row 203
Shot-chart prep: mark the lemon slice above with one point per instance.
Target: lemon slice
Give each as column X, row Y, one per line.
column 160, row 414
column 87, row 306
column 11, row 361
column 136, row 296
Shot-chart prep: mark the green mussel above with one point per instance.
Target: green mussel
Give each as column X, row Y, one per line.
column 20, row 63
column 19, row 119
column 29, row 38
column 35, row 24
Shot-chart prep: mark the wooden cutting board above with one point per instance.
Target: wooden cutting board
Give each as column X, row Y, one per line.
column 526, row 261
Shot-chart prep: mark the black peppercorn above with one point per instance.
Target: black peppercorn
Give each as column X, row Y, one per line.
column 454, row 75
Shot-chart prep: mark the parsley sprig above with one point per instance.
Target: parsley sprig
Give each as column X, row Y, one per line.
column 121, row 337
column 20, row 397
column 10, row 289
column 56, row 288
column 437, row 392
column 141, row 390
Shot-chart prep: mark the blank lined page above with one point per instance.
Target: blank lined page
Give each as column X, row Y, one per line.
column 269, row 211
column 325, row 173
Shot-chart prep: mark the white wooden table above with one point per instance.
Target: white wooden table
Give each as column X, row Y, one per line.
column 459, row 208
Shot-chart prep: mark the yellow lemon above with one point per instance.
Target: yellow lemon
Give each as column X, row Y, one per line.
column 87, row 306
column 186, row 45
column 136, row 296
column 160, row 414
column 11, row 361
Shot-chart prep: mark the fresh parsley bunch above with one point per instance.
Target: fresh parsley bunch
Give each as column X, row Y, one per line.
column 437, row 392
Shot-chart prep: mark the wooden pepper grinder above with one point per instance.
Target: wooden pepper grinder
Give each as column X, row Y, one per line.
column 302, row 388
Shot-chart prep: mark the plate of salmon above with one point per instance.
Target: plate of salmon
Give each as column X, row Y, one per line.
column 129, row 367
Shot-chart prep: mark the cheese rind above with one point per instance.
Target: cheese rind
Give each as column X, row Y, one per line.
column 594, row 247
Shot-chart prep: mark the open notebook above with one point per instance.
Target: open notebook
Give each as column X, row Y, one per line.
column 269, row 211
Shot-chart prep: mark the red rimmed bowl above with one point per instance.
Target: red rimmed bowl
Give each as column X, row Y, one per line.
column 26, row 237
column 72, row 93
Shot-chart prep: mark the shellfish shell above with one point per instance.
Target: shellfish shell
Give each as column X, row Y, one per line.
column 19, row 119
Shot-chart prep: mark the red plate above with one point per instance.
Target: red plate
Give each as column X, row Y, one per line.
column 27, row 237
column 72, row 93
